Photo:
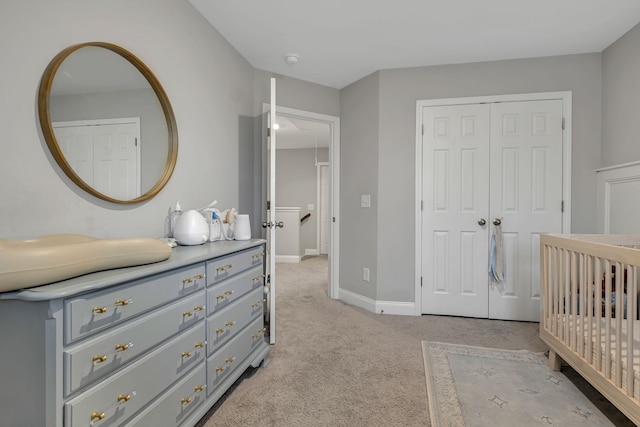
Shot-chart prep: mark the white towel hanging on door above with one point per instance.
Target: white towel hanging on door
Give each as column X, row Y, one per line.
column 496, row 263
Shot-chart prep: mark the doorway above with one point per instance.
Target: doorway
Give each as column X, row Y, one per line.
column 493, row 178
column 332, row 174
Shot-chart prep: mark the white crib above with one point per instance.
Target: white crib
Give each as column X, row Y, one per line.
column 589, row 316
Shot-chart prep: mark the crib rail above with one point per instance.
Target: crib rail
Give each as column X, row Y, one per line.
column 589, row 317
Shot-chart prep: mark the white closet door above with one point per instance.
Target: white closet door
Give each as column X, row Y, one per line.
column 455, row 194
column 526, row 194
column 76, row 143
column 481, row 163
column 116, row 160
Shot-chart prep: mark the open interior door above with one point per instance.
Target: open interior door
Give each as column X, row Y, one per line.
column 270, row 223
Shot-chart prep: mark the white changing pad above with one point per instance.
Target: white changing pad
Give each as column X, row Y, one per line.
column 48, row 259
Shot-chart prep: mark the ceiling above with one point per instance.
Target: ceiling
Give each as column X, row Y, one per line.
column 294, row 132
column 341, row 41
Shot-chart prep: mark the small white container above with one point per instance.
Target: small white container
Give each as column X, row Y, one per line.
column 243, row 227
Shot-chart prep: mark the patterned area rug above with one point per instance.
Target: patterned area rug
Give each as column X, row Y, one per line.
column 475, row 386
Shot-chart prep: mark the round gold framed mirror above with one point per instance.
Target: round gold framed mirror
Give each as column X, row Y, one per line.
column 108, row 122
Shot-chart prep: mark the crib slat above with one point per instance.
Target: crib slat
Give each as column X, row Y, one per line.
column 598, row 312
column 574, row 299
column 630, row 306
column 566, row 269
column 607, row 319
column 590, row 295
column 618, row 322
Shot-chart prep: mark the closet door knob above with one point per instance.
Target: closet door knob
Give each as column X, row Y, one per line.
column 497, row 221
column 481, row 222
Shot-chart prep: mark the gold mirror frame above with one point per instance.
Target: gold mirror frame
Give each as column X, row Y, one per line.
column 44, row 114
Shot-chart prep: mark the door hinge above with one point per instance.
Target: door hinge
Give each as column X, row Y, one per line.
column 268, row 279
column 420, row 281
column 268, row 205
column 562, row 206
column 334, row 219
column 268, row 132
column 421, row 205
column 422, row 130
column 563, row 123
column 136, row 141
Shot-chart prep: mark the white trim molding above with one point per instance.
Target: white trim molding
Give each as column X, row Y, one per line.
column 617, row 194
column 380, row 307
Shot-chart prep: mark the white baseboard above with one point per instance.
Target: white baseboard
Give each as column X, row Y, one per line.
column 288, row 258
column 374, row 306
column 311, row 252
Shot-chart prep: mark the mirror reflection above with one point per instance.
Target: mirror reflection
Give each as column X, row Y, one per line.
column 108, row 124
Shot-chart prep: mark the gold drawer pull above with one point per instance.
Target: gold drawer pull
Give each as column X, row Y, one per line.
column 198, row 308
column 199, row 388
column 123, row 302
column 228, row 293
column 224, row 267
column 258, row 304
column 186, row 354
column 124, row 398
column 99, row 359
column 185, row 400
column 229, row 324
column 257, row 256
column 230, row 359
column 198, row 276
column 187, row 280
column 99, row 310
column 258, row 277
column 97, row 416
column 220, row 331
column 220, row 297
column 260, row 332
column 220, row 369
column 200, row 344
column 187, row 313
column 123, row 347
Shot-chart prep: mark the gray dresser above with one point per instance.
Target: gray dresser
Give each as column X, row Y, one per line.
column 153, row 345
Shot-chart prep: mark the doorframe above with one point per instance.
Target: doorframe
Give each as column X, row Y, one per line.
column 334, row 174
column 564, row 96
column 319, row 206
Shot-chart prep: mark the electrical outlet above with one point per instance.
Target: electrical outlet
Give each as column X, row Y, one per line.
column 365, row 201
column 365, row 274
column 310, row 207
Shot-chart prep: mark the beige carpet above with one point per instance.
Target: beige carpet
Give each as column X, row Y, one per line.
column 338, row 365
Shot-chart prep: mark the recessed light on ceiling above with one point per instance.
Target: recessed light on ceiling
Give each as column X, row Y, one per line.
column 291, row 58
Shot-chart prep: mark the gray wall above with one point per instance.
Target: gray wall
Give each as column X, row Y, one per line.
column 359, row 155
column 297, row 186
column 391, row 132
column 621, row 100
column 294, row 93
column 209, row 84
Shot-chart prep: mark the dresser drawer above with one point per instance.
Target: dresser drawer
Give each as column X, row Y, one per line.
column 225, row 267
column 177, row 404
column 227, row 322
column 224, row 293
column 120, row 396
column 227, row 358
column 85, row 315
column 93, row 359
